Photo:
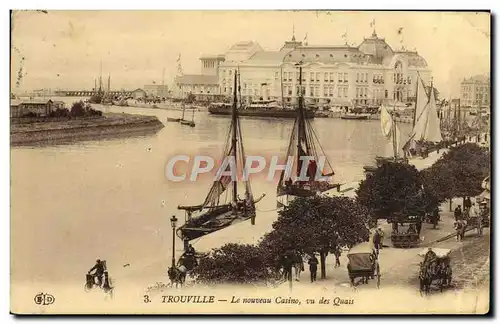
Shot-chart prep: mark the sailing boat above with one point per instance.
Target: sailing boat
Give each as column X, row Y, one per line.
column 426, row 124
column 189, row 122
column 215, row 213
column 176, row 120
column 302, row 144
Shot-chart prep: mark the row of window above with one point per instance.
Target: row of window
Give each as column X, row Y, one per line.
column 478, row 89
column 209, row 64
column 316, row 76
column 362, row 77
column 399, row 78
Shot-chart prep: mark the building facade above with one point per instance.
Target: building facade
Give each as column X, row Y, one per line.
column 475, row 92
column 368, row 74
column 20, row 108
column 156, row 90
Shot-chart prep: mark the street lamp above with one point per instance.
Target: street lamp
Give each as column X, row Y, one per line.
column 173, row 222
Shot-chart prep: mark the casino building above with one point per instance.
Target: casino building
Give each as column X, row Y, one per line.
column 332, row 75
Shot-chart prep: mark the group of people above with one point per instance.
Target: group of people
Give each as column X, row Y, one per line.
column 470, row 211
column 291, row 259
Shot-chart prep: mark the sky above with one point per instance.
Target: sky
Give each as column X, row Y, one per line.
column 64, row 49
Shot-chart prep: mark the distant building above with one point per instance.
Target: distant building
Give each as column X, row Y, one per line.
column 138, row 93
column 156, row 90
column 15, row 108
column 20, row 108
column 337, row 75
column 475, row 92
column 203, row 87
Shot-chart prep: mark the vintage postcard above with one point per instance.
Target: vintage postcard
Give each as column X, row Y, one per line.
column 250, row 162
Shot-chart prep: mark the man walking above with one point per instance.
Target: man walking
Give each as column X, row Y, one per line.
column 377, row 240
column 458, row 213
column 313, row 267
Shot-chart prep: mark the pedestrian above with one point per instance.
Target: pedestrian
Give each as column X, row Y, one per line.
column 419, row 226
column 376, row 240
column 313, row 267
column 467, row 204
column 435, row 217
column 458, row 213
column 338, row 253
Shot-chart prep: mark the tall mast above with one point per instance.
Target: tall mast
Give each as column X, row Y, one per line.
column 300, row 124
column 183, row 110
column 416, row 102
column 234, row 123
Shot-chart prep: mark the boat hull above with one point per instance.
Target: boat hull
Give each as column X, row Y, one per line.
column 284, row 198
column 173, row 119
column 216, row 223
column 187, row 123
column 268, row 113
column 354, row 117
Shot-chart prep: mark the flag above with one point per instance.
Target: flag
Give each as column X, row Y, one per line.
column 372, row 23
column 345, row 35
column 305, row 38
column 154, row 82
column 179, row 58
column 400, row 30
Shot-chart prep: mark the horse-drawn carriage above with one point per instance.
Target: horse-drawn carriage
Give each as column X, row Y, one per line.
column 405, row 231
column 435, row 268
column 363, row 263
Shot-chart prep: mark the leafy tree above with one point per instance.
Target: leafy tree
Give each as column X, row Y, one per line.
column 395, row 188
column 78, row 109
column 233, row 263
column 439, row 180
column 317, row 224
column 469, row 165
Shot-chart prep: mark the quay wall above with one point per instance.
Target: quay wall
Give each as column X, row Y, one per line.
column 108, row 125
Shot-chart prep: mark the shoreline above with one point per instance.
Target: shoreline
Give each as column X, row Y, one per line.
column 53, row 131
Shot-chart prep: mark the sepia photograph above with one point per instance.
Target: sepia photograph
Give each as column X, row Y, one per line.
column 250, row 162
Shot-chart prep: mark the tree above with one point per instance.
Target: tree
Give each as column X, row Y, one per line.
column 78, row 109
column 317, row 224
column 439, row 180
column 394, row 188
column 234, row 263
column 469, row 165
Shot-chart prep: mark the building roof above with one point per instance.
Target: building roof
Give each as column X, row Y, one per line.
column 327, row 54
column 414, row 59
column 138, row 89
column 35, row 102
column 15, row 102
column 243, row 46
column 480, row 78
column 376, row 47
column 197, row 79
column 274, row 56
column 213, row 57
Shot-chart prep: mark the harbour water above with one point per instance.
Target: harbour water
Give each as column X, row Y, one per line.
column 74, row 203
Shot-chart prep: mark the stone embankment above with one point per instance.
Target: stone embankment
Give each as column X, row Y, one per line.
column 38, row 131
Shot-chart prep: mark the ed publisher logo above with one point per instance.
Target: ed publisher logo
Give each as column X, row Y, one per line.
column 44, row 299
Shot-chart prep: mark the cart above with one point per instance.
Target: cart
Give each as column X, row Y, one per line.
column 405, row 232
column 435, row 268
column 363, row 263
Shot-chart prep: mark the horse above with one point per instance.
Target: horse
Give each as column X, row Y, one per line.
column 177, row 275
column 432, row 271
